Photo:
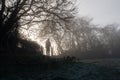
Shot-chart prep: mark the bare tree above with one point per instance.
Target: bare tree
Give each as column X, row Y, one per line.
column 32, row 12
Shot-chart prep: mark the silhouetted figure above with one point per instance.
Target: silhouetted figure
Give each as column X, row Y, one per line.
column 48, row 45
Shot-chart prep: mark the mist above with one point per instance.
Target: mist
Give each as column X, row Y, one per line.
column 59, row 40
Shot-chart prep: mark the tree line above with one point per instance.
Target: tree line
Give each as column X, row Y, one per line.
column 56, row 20
column 91, row 41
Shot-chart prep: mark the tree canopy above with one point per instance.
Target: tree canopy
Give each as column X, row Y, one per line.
column 16, row 14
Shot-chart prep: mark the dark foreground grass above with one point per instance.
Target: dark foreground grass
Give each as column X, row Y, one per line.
column 59, row 71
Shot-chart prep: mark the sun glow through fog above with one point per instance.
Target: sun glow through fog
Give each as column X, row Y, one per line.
column 33, row 36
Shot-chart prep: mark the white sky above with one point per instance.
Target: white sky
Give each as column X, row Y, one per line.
column 102, row 11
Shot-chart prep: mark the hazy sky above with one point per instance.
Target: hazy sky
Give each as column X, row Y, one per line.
column 102, row 11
